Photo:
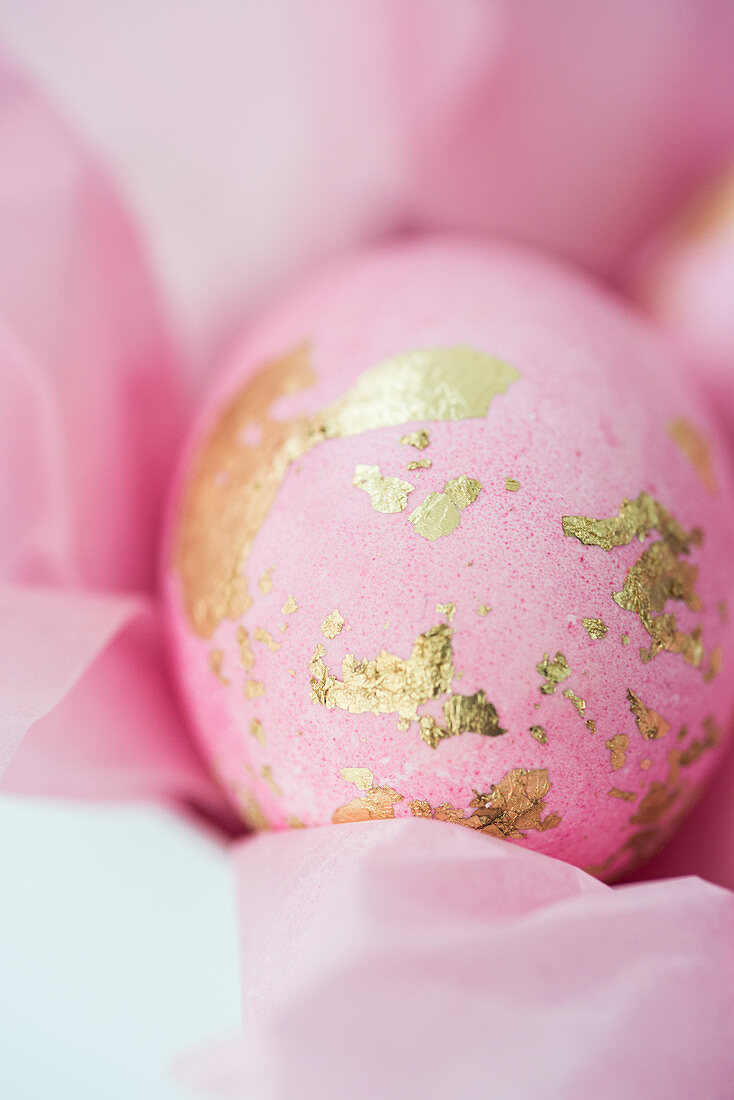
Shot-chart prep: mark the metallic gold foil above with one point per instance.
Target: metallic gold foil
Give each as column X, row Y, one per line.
column 595, row 628
column 618, row 746
column 538, row 732
column 253, row 689
column 483, row 609
column 373, row 805
column 510, row 809
column 448, row 610
column 626, row 796
column 264, row 636
column 247, row 659
column 216, row 660
column 387, row 494
column 435, row 517
column 267, row 774
column 695, row 446
column 462, row 714
column 553, row 672
column 256, row 729
column 625, row 639
column 715, row 663
column 576, row 700
column 420, row 464
column 651, row 725
column 332, row 624
column 289, row 606
column 511, row 484
column 418, row 439
column 265, row 583
column 361, row 777
column 462, row 490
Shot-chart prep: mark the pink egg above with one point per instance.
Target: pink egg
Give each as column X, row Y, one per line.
column 451, row 540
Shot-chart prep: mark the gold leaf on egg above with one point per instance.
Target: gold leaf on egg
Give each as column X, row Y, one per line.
column 387, row 494
column 553, row 672
column 695, row 446
column 332, row 624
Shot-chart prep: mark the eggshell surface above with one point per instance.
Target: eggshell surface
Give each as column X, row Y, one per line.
column 451, row 540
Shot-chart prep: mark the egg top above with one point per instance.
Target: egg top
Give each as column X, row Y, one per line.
column 451, row 540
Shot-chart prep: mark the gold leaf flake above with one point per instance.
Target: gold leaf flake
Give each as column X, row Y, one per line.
column 695, row 446
column 618, row 746
column 538, row 732
column 264, row 636
column 595, row 628
column 420, row 464
column 436, row 516
column 332, row 624
column 216, row 659
column 374, row 805
column 511, row 808
column 483, row 609
column 420, row 808
column 289, row 606
column 233, row 483
column 253, row 688
column 715, row 663
column 388, row 494
column 267, row 773
column 512, row 484
column 256, row 729
column 626, row 796
column 462, row 714
column 650, row 724
column 462, row 490
column 417, row 439
column 361, row 777
column 448, row 610
column 554, row 672
column 625, row 639
column 577, row 701
column 243, row 640
column 295, row 823
column 265, row 583
column 636, row 519
column 251, row 810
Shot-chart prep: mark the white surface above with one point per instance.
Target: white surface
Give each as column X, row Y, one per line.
column 118, row 950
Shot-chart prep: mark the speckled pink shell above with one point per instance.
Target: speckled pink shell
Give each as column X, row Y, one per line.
column 583, row 428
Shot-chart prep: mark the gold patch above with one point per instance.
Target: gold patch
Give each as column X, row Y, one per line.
column 373, row 805
column 553, row 672
column 420, row 464
column 576, row 700
column 462, row 714
column 388, row 494
column 448, row 610
column 435, row 517
column 510, row 809
column 618, row 746
column 264, row 636
column 232, row 485
column 625, row 639
column 511, row 484
column 265, row 583
column 267, row 774
column 715, row 663
column 361, row 777
column 216, row 660
column 462, row 490
column 695, row 446
column 332, row 624
column 483, row 609
column 418, row 439
column 626, row 796
column 651, row 725
column 595, row 628
column 538, row 732
column 247, row 659
column 253, row 689
column 289, row 606
column 256, row 729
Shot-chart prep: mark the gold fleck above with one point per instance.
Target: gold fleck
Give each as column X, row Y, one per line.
column 289, row 606
column 232, row 484
column 636, row 519
column 577, row 701
column 436, row 516
column 332, row 624
column 510, row 808
column 388, row 494
column 292, row 671
column 267, row 773
column 420, row 808
column 447, row 610
column 252, row 811
column 625, row 639
column 216, row 659
column 420, row 464
column 418, row 439
column 256, row 729
column 462, row 490
column 264, row 636
column 483, row 609
column 538, row 732
column 650, row 724
column 626, row 796
column 253, row 688
column 266, row 581
column 243, row 640
column 512, row 484
column 554, row 672
column 591, row 725
column 295, row 823
column 361, row 777
column 595, row 628
column 695, row 446
column 715, row 663
column 373, row 805
column 463, row 714
column 618, row 746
